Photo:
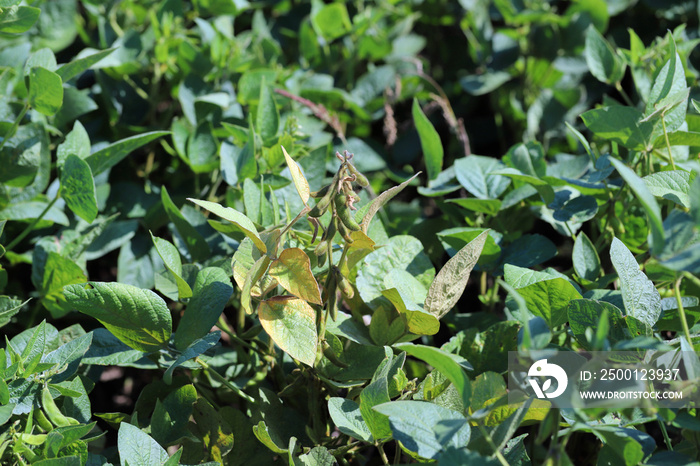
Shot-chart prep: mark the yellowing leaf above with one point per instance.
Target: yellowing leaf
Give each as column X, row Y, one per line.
column 360, row 240
column 537, row 412
column 292, row 269
column 297, row 177
column 253, row 277
column 291, row 323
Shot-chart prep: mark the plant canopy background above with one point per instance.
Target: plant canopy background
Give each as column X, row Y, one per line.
column 249, row 233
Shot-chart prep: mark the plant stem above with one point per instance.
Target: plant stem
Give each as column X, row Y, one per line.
column 568, row 228
column 667, row 439
column 692, row 278
column 303, row 212
column 493, row 300
column 668, row 143
column 227, row 330
column 225, row 382
column 624, row 95
column 489, row 440
column 31, row 226
column 681, row 311
column 385, row 459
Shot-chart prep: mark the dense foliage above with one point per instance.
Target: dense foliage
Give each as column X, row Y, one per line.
column 310, row 233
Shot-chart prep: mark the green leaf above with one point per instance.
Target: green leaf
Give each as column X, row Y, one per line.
column 171, row 258
column 425, row 428
column 202, row 149
column 250, row 83
column 291, row 323
column 379, row 201
column 60, row 461
column 454, row 239
column 235, row 217
column 407, row 295
column 78, row 188
column 486, row 350
column 20, row 160
column 429, row 141
column 45, row 91
column 267, row 116
column 77, row 66
column 601, row 58
column 107, row 350
column 212, row 290
column 347, row 418
column 59, row 271
column 450, row 365
column 8, row 308
column 18, row 19
column 450, row 282
column 585, row 258
column 170, row 417
column 262, row 433
column 139, row 318
column 71, row 434
column 679, row 138
column 111, row 155
column 292, row 269
column 673, row 185
column 487, row 206
column 549, row 299
column 528, row 250
column 571, row 206
column 376, row 393
column 137, row 448
column 505, row 430
column 669, row 93
column 687, row 259
column 542, row 187
column 44, row 58
column 623, row 445
column 527, row 158
column 252, row 200
column 480, row 84
column 195, row 242
column 588, row 313
column 70, row 352
column 195, row 349
column 695, row 201
column 31, row 210
column 620, row 124
column 300, row 182
column 77, row 142
column 331, row 21
column 317, row 456
column 648, row 202
column 534, row 335
column 399, row 253
column 472, row 173
column 34, row 347
column 641, row 298
column 485, row 387
column 387, row 325
column 582, row 140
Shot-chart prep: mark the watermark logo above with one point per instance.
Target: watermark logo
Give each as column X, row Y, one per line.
column 541, row 369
